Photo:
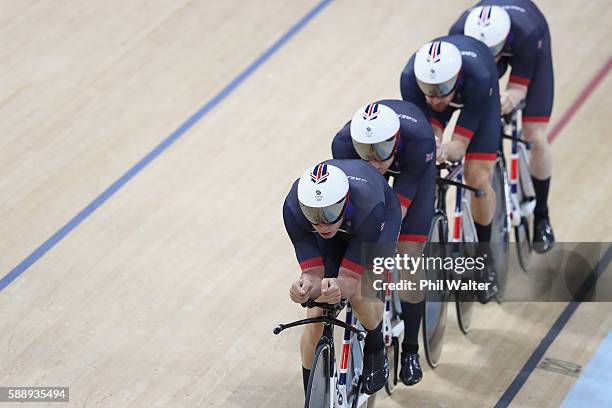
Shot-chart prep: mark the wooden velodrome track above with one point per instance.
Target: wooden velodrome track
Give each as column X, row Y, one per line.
column 163, row 291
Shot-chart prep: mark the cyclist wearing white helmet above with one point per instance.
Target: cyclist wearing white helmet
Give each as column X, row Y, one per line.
column 458, row 72
column 395, row 137
column 331, row 213
column 517, row 34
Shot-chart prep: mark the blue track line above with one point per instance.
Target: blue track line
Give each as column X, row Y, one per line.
column 160, row 148
column 553, row 332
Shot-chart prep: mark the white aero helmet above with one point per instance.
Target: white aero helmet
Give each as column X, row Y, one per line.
column 436, row 67
column 374, row 131
column 323, row 193
column 489, row 24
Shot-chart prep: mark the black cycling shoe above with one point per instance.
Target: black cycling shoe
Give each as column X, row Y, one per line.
column 543, row 237
column 375, row 371
column 411, row 372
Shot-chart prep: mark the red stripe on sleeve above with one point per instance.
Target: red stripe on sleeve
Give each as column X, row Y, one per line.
column 460, row 130
column 481, row 156
column 412, row 237
column 519, row 80
column 436, row 122
column 311, row 263
column 404, row 201
column 536, row 119
column 355, row 267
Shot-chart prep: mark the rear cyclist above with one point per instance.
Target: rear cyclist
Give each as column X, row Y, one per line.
column 330, row 213
column 395, row 137
column 458, row 72
column 517, row 34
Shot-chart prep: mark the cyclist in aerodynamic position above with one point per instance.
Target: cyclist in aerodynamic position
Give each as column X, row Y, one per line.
column 331, row 213
column 517, row 34
column 395, row 137
column 459, row 72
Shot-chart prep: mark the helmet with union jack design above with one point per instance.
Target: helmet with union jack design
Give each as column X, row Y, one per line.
column 374, row 131
column 323, row 193
column 489, row 24
column 436, row 67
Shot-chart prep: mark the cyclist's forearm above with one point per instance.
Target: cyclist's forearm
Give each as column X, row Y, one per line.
column 516, row 92
column 314, row 276
column 348, row 281
column 454, row 150
column 512, row 97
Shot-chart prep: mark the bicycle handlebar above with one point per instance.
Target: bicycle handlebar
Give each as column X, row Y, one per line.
column 508, row 116
column 447, row 165
column 520, row 141
column 326, row 306
column 323, row 319
column 452, row 167
column 477, row 192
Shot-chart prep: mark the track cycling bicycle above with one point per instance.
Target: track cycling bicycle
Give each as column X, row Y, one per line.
column 520, row 189
column 330, row 386
column 440, row 244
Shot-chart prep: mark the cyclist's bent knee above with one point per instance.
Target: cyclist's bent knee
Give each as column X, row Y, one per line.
column 535, row 133
column 478, row 173
column 310, row 337
column 369, row 312
column 313, row 331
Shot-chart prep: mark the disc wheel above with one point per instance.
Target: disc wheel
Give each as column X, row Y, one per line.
column 435, row 313
column 500, row 242
column 318, row 393
column 393, row 356
column 523, row 244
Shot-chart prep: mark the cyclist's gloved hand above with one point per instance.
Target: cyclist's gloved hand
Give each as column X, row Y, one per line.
column 330, row 291
column 512, row 98
column 300, row 290
column 507, row 104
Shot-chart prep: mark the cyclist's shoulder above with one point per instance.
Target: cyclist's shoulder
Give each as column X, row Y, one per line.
column 343, row 137
column 291, row 199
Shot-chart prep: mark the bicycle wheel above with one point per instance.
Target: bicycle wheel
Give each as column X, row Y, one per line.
column 465, row 309
column 319, row 392
column 523, row 244
column 394, row 349
column 355, row 368
column 393, row 356
column 526, row 199
column 435, row 313
column 500, row 242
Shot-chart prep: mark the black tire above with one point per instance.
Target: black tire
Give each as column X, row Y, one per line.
column 500, row 241
column 465, row 313
column 524, row 247
column 465, row 309
column 393, row 355
column 318, row 393
column 355, row 363
column 523, row 244
column 436, row 310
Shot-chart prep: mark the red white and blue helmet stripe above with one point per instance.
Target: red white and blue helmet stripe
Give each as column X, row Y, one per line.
column 484, row 18
column 371, row 111
column 319, row 173
column 434, row 52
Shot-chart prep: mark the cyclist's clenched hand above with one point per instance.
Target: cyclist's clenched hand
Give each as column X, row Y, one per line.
column 330, row 291
column 300, row 290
